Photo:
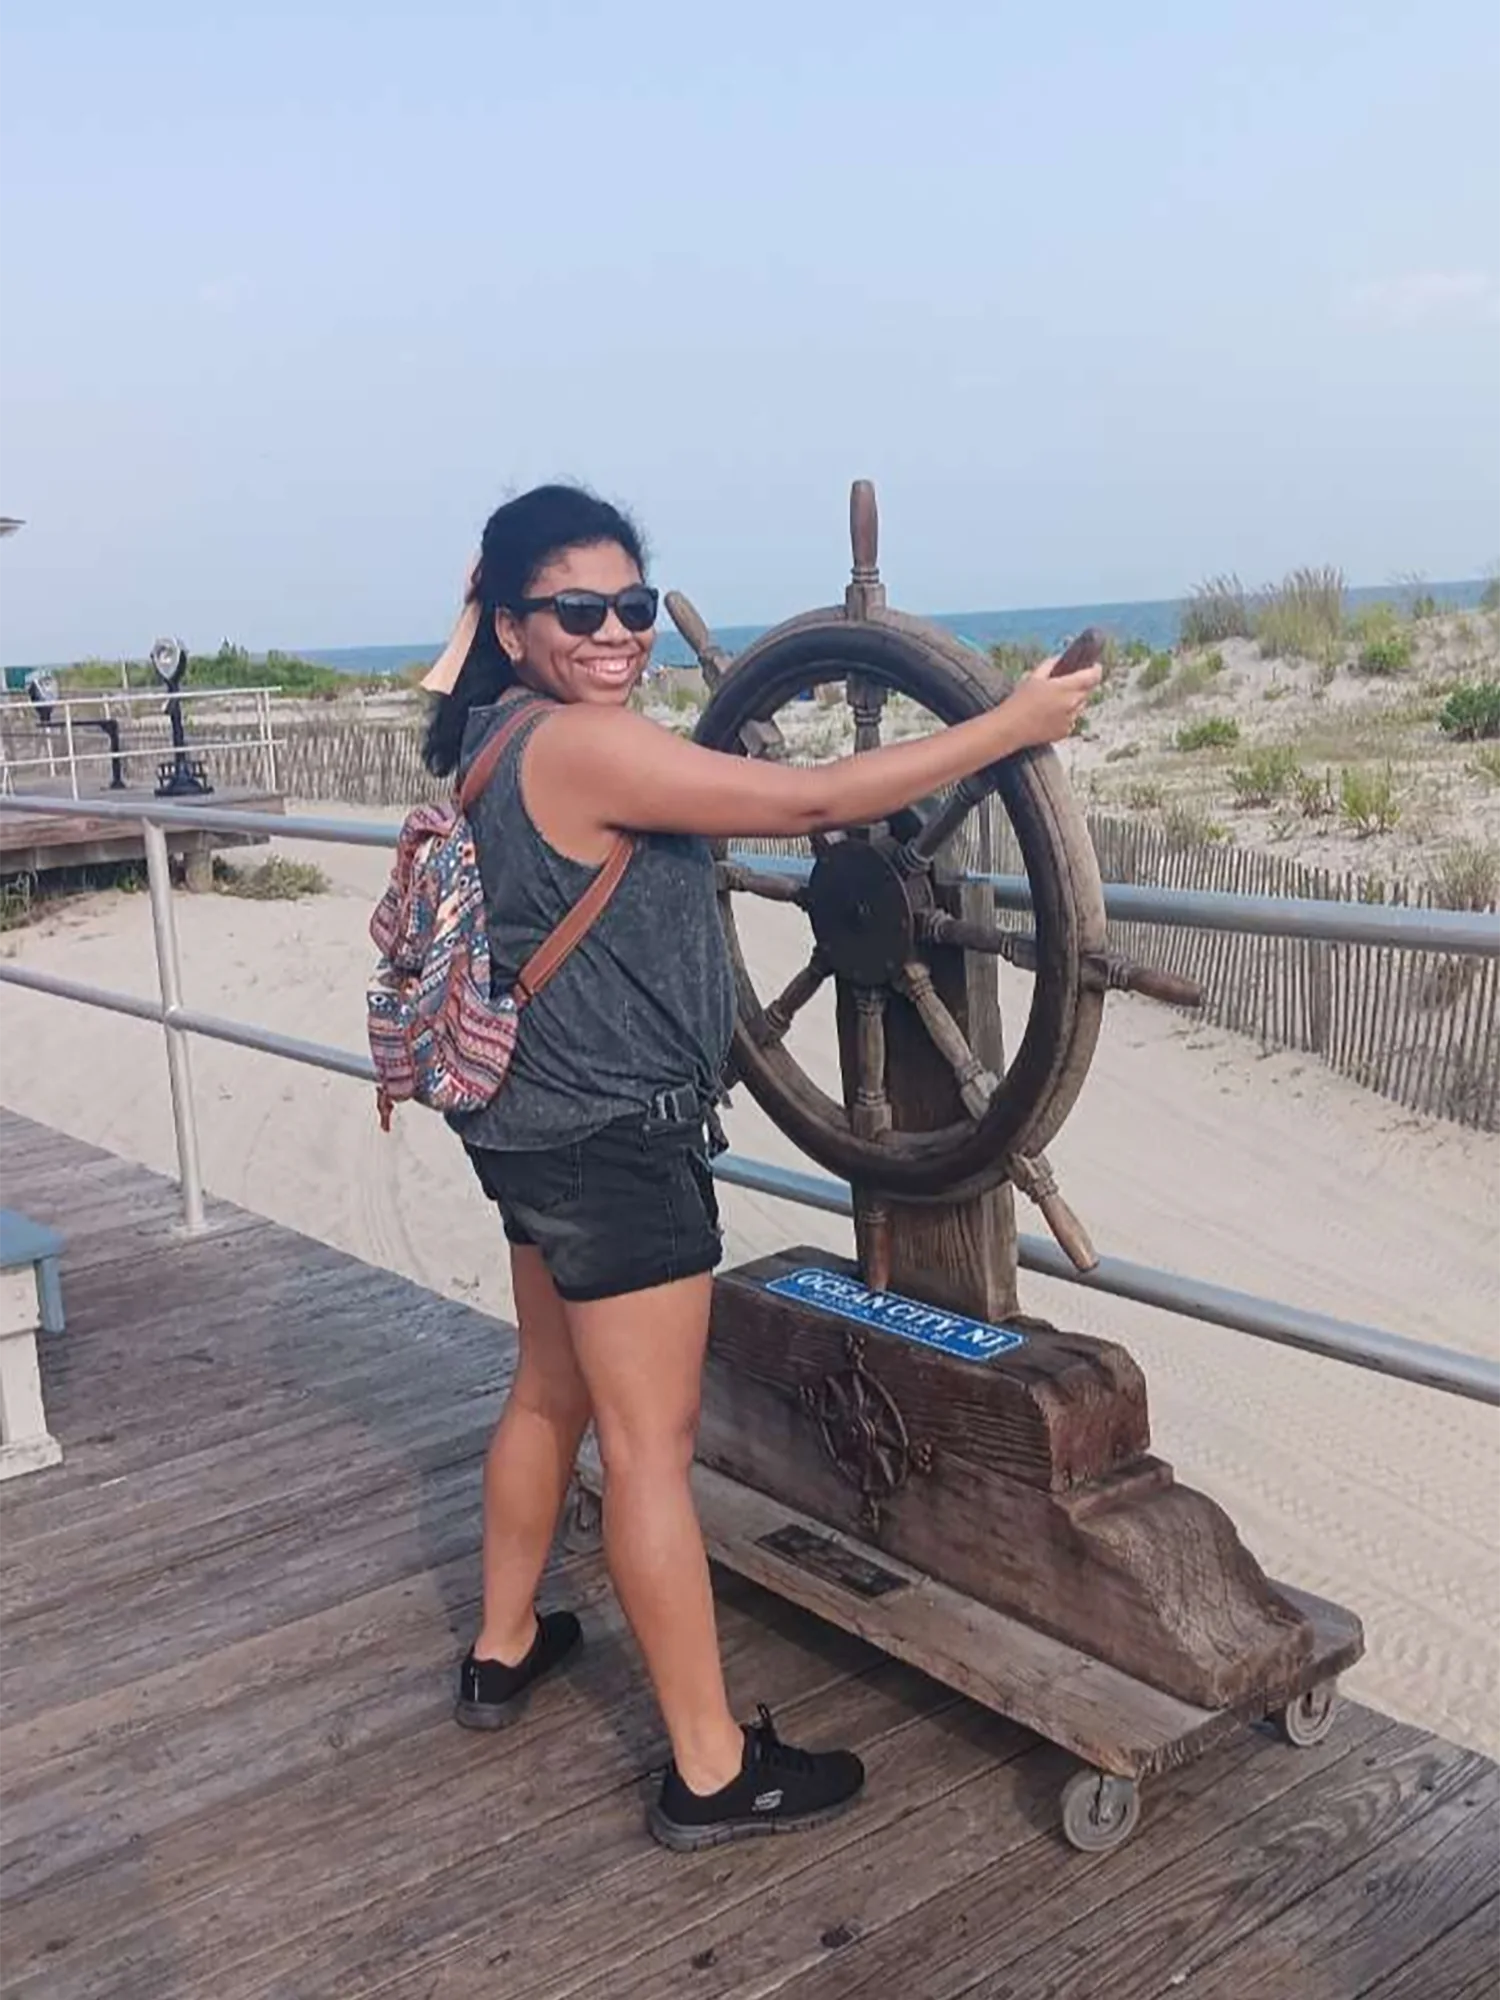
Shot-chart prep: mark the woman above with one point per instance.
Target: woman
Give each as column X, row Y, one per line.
column 594, row 1149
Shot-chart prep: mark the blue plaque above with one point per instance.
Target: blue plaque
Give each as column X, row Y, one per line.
column 928, row 1326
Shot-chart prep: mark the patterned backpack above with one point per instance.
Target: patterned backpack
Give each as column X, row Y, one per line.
column 436, row 1034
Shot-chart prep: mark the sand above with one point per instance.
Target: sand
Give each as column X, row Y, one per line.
column 1188, row 1150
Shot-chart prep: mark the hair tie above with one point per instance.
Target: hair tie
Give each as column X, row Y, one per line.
column 442, row 675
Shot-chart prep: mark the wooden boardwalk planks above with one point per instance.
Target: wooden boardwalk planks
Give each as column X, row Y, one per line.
column 227, row 1764
column 33, row 845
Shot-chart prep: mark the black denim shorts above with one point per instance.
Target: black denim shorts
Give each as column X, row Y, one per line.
column 629, row 1207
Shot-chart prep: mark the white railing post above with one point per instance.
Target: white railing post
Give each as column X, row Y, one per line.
column 268, row 739
column 179, row 1071
column 67, row 709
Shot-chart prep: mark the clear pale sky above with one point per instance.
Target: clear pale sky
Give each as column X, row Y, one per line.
column 1104, row 297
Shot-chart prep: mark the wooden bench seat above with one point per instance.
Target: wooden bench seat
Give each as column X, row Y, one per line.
column 30, row 1303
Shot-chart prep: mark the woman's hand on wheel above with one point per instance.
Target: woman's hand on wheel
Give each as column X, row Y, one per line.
column 1043, row 710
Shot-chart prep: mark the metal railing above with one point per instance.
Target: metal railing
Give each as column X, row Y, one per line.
column 1398, row 1355
column 59, row 753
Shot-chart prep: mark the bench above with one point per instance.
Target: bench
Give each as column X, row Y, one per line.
column 30, row 1303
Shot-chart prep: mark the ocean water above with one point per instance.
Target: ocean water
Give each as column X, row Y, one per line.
column 1153, row 621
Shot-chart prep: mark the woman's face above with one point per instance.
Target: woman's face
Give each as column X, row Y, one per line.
column 602, row 667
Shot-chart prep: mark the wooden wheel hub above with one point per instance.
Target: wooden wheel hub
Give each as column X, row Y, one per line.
column 860, row 907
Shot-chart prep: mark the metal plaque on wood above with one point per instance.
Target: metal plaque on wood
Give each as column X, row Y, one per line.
column 833, row 1560
column 928, row 1326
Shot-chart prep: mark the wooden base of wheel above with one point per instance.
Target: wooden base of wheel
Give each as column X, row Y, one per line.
column 981, row 1500
column 1009, row 1461
column 1122, row 1729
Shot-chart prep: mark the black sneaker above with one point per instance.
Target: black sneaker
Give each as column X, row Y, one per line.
column 779, row 1790
column 489, row 1693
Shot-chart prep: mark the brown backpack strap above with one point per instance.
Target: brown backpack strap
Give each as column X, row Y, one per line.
column 548, row 957
column 485, row 764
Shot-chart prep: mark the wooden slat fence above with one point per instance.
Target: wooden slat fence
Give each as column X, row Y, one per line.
column 1421, row 1028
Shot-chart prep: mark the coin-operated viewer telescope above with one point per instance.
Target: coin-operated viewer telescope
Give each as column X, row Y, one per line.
column 180, row 776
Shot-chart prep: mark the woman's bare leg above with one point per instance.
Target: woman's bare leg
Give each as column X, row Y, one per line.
column 642, row 1358
column 529, row 1463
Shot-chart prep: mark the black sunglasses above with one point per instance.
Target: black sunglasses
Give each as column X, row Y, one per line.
column 581, row 612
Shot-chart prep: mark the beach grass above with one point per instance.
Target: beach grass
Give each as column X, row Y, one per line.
column 1302, row 617
column 275, row 881
column 1215, row 611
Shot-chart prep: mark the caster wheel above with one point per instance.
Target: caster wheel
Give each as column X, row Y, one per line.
column 583, row 1525
column 1099, row 1813
column 1308, row 1719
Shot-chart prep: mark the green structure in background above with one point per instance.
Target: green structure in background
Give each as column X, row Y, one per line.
column 15, row 677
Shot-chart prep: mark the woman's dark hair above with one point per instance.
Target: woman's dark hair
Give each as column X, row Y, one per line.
column 520, row 539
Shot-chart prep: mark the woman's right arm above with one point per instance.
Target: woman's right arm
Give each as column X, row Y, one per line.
column 618, row 771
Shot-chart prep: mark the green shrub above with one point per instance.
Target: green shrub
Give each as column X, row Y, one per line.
column 1468, row 876
column 1385, row 653
column 1212, row 663
column 1471, row 712
column 1215, row 611
column 1368, row 801
column 1266, row 775
column 1386, row 644
column 16, row 902
column 1303, row 618
column 1316, row 798
column 1214, row 732
column 275, row 881
column 1156, row 672
column 1189, row 825
column 1192, row 677
column 1148, row 796
column 1135, row 651
column 231, row 667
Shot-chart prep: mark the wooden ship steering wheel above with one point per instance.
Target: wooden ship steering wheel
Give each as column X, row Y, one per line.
column 884, row 904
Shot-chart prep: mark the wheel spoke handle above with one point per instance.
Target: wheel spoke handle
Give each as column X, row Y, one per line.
column 760, row 882
column 870, row 1113
column 1103, row 971
column 778, row 1017
column 1122, row 975
column 761, row 739
column 1036, row 1180
column 976, row 1084
column 866, row 700
column 937, row 927
column 917, row 855
column 1087, row 650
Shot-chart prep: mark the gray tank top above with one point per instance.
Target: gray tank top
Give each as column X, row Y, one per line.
column 644, row 1004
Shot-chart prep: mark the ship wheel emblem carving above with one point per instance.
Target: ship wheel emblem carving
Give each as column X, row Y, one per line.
column 863, row 1432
